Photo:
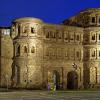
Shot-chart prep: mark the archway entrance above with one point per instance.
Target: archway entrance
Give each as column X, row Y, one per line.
column 56, row 76
column 72, row 80
column 54, row 79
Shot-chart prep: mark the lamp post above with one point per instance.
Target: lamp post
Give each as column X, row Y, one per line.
column 77, row 67
column 74, row 66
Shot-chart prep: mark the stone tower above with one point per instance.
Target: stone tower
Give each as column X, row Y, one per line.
column 26, row 70
column 90, row 21
column 91, row 48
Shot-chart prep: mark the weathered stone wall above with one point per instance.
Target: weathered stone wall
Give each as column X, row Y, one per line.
column 91, row 56
column 41, row 50
column 60, row 52
column 6, row 57
column 27, row 53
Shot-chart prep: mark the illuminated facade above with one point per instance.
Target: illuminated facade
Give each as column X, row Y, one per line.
column 35, row 54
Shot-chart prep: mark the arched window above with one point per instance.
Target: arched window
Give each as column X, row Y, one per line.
column 93, row 20
column 71, row 36
column 19, row 29
column 77, row 37
column 47, row 35
column 33, row 49
column 66, row 36
column 25, row 49
column 18, row 51
column 93, row 53
column 32, row 30
column 93, row 37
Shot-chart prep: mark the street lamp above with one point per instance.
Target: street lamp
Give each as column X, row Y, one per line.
column 74, row 66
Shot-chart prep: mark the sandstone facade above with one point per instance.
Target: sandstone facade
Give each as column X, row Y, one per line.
column 34, row 54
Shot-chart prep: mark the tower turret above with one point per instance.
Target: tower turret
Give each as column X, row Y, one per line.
column 26, row 69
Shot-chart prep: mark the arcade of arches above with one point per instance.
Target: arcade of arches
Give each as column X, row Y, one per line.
column 55, row 77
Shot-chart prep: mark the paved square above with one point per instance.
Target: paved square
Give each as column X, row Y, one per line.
column 45, row 95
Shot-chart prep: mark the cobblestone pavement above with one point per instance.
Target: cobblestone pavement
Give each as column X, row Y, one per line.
column 45, row 95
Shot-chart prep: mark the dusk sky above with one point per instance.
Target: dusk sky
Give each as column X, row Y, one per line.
column 50, row 11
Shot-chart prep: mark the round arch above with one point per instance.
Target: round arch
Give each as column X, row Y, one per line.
column 72, row 80
column 56, row 77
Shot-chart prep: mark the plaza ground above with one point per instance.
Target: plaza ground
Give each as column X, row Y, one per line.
column 49, row 95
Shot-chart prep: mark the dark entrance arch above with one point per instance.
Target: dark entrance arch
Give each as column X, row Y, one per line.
column 56, row 79
column 72, row 80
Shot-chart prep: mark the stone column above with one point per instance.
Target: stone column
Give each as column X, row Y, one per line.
column 64, row 79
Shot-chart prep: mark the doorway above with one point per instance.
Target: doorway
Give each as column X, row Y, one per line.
column 72, row 80
column 56, row 76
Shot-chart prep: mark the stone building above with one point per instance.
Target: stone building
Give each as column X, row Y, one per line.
column 34, row 54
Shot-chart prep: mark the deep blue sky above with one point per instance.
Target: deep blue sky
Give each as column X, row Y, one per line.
column 50, row 11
